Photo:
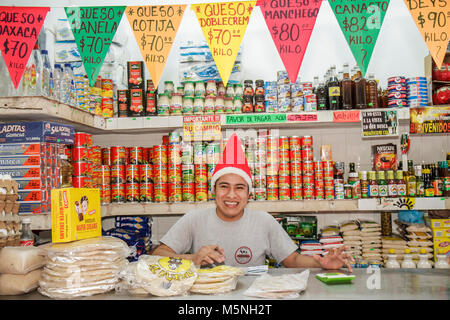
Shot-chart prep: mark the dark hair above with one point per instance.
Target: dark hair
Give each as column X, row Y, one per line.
column 84, row 198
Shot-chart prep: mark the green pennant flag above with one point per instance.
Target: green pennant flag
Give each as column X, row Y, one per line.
column 360, row 21
column 93, row 29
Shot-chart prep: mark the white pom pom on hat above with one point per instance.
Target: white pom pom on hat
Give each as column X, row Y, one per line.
column 233, row 160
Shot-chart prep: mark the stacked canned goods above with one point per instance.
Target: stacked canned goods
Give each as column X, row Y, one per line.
column 187, row 172
column 200, row 171
column 159, row 160
column 212, row 159
column 174, row 168
column 256, row 156
column 284, row 175
column 308, row 167
column 272, row 168
column 295, row 155
column 81, row 160
column 107, row 97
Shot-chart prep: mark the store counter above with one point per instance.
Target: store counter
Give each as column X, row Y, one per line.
column 385, row 284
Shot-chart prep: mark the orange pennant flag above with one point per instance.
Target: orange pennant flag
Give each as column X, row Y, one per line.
column 155, row 29
column 223, row 25
column 433, row 21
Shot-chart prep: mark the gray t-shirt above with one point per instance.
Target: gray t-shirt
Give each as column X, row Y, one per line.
column 246, row 242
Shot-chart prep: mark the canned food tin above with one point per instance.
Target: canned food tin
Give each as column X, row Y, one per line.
column 174, row 173
column 260, row 143
column 259, row 181
column 296, row 193
column 118, row 175
column 146, row 173
column 136, row 155
column 296, row 168
column 260, row 194
column 106, row 156
column 105, row 193
column 213, row 153
column 260, row 169
column 80, row 168
column 175, row 192
column 295, row 143
column 272, row 182
column 132, row 192
column 307, row 154
column 272, row 194
column 199, row 153
column 160, row 173
column 187, row 173
column 283, row 143
column 319, row 193
column 80, row 181
column 271, row 143
column 146, row 191
column 284, row 169
column 132, row 173
column 283, row 155
column 296, row 180
column 308, row 192
column 82, row 139
column 105, row 174
column 329, row 194
column 160, row 154
column 118, row 193
column 200, row 173
column 160, row 192
column 174, row 154
column 318, row 166
column 308, row 167
column 96, row 155
column 295, row 156
column 188, row 191
column 284, row 193
column 201, row 193
column 272, row 156
column 118, row 156
column 187, row 153
column 284, row 181
column 307, row 141
column 80, row 154
column 272, row 169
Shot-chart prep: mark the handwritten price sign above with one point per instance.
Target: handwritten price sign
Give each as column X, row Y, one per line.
column 223, row 25
column 360, row 21
column 432, row 18
column 19, row 30
column 155, row 29
column 93, row 29
column 290, row 23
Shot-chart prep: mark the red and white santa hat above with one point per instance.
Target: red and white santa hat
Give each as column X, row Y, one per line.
column 233, row 160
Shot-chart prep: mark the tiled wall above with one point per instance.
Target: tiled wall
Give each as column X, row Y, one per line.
column 347, row 145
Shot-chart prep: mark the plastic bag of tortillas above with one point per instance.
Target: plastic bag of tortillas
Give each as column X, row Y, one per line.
column 165, row 276
column 216, row 280
column 286, row 286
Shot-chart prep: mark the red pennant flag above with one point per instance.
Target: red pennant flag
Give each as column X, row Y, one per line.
column 290, row 25
column 19, row 31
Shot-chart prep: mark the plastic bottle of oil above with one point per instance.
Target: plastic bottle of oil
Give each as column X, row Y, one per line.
column 360, row 90
column 347, row 86
column 334, row 90
column 372, row 92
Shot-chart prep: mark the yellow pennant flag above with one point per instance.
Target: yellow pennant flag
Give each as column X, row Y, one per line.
column 155, row 29
column 433, row 21
column 223, row 25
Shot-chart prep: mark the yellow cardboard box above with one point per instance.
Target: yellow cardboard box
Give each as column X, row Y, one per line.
column 441, row 246
column 441, row 232
column 75, row 214
column 438, row 223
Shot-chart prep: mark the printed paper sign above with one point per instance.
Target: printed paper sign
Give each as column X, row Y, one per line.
column 429, row 120
column 379, row 123
column 19, row 31
column 201, row 128
column 93, row 29
column 223, row 25
column 255, row 118
column 360, row 21
column 433, row 21
column 155, row 29
column 290, row 23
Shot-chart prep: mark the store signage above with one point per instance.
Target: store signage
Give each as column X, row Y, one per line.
column 19, row 31
column 379, row 123
column 290, row 24
column 346, row 116
column 360, row 21
column 433, row 21
column 223, row 25
column 255, row 118
column 201, row 128
column 93, row 29
column 304, row 117
column 429, row 120
column 155, row 29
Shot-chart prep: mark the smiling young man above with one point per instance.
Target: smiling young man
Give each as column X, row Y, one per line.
column 230, row 233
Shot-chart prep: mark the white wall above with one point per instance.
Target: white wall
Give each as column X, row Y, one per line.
column 399, row 50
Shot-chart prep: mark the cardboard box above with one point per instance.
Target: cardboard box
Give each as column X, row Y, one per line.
column 441, row 233
column 441, row 246
column 75, row 214
column 20, row 149
column 437, row 223
column 34, row 132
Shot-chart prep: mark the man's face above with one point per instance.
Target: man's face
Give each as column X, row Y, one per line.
column 231, row 197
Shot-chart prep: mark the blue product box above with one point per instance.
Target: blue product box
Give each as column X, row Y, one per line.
column 39, row 131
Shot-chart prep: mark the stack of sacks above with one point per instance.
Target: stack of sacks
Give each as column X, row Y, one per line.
column 20, row 269
column 393, row 242
column 352, row 238
column 219, row 279
column 311, row 248
column 420, row 237
column 83, row 268
column 135, row 231
column 371, row 241
column 330, row 242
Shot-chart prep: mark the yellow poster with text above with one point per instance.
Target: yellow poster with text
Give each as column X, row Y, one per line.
column 155, row 29
column 223, row 25
column 433, row 21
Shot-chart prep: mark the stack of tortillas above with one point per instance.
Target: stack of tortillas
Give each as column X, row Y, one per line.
column 219, row 279
column 164, row 276
column 82, row 268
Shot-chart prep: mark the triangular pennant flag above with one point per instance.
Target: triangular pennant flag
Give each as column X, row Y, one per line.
column 232, row 160
column 360, row 21
column 433, row 21
column 93, row 29
column 223, row 25
column 155, row 29
column 19, row 31
column 290, row 29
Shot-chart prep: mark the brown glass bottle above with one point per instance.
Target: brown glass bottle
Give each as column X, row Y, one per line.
column 360, row 91
column 334, row 90
column 353, row 180
column 372, row 92
column 347, row 87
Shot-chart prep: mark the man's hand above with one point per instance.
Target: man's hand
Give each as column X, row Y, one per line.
column 209, row 255
column 335, row 259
